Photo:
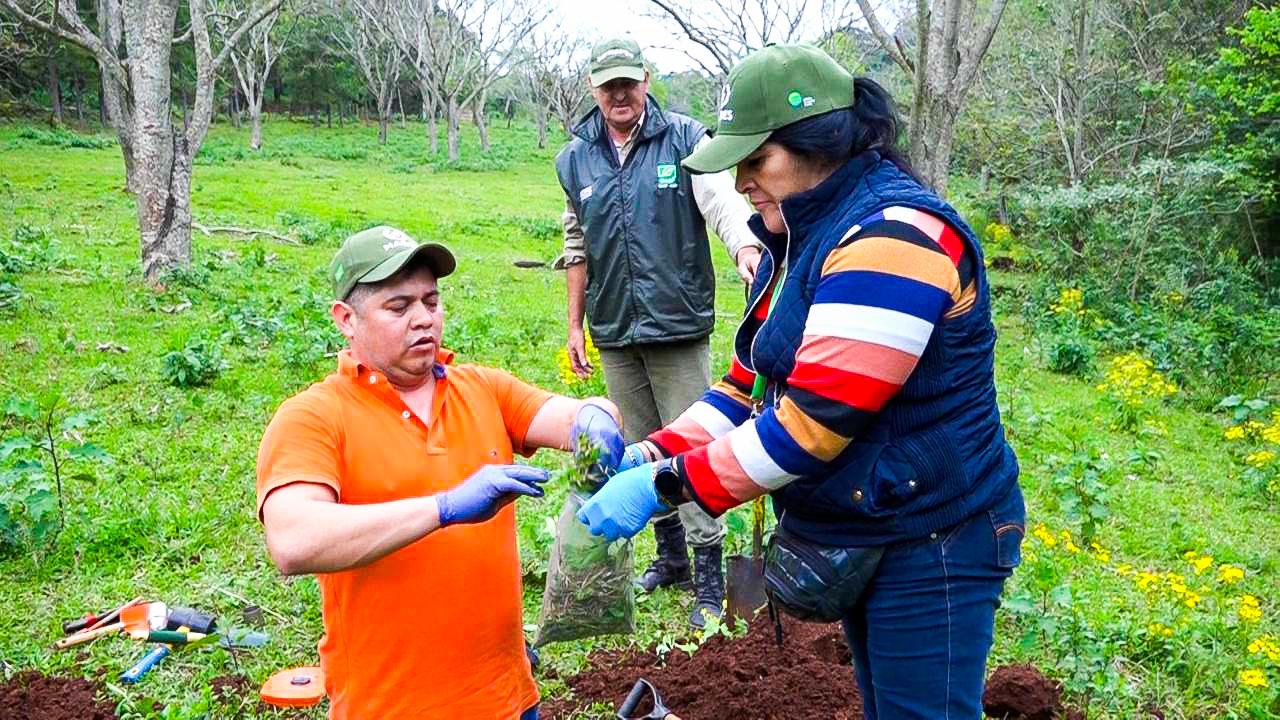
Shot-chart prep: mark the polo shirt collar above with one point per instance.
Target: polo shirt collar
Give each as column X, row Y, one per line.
column 350, row 367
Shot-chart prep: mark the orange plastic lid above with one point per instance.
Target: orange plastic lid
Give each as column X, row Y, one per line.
column 295, row 687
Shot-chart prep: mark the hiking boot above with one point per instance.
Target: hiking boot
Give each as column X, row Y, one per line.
column 671, row 567
column 708, row 584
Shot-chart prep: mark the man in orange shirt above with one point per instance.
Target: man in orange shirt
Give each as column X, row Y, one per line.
column 392, row 481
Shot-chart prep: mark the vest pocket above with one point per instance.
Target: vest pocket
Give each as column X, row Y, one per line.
column 922, row 470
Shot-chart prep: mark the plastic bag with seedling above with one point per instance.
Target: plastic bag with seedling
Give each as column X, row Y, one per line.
column 588, row 590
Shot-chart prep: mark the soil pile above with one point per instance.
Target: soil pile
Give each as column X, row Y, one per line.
column 749, row 678
column 1021, row 692
column 32, row 696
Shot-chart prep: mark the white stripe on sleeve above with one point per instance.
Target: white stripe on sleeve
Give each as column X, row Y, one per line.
column 711, row 419
column 755, row 461
column 871, row 324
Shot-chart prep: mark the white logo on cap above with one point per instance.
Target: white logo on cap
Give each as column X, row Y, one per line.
column 614, row 53
column 396, row 239
column 726, row 112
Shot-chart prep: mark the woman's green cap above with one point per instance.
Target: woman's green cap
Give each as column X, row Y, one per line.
column 378, row 253
column 773, row 87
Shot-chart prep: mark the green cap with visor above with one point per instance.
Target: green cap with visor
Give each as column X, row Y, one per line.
column 616, row 58
column 376, row 254
column 773, row 87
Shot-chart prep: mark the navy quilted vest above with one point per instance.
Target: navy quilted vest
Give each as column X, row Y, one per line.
column 936, row 452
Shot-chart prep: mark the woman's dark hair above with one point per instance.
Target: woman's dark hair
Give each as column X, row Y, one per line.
column 832, row 138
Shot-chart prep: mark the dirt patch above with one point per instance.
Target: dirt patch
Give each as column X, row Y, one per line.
column 750, row 678
column 1021, row 692
column 229, row 687
column 32, row 696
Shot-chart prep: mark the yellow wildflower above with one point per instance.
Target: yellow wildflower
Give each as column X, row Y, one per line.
column 1253, row 678
column 1043, row 534
column 1260, row 459
column 1159, row 630
column 1202, row 563
column 1070, row 302
column 1249, row 610
column 1266, row 645
column 1124, row 569
column 1174, row 297
column 1235, row 432
column 1147, row 580
column 1229, row 574
column 1190, row 599
column 1271, row 433
column 1131, row 378
column 1102, row 554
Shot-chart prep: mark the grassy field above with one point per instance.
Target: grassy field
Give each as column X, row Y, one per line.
column 157, row 479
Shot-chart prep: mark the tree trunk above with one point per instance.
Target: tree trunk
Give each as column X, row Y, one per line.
column 234, row 108
column 429, row 116
column 328, row 115
column 384, row 118
column 477, row 114
column 404, row 123
column 77, row 94
column 542, row 128
column 164, row 200
column 454, row 121
column 55, row 88
column 255, row 133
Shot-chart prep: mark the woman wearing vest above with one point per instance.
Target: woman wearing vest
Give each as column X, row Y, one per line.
column 861, row 395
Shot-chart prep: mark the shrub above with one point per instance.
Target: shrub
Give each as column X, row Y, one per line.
column 198, row 363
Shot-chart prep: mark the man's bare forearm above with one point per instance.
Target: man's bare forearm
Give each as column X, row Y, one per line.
column 576, row 279
column 308, row 532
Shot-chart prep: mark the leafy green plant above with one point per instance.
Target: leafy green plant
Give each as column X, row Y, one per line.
column 1082, row 484
column 197, row 363
column 41, row 449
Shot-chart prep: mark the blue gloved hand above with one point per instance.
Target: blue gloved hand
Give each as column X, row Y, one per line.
column 482, row 495
column 624, row 505
column 602, row 431
column 635, row 455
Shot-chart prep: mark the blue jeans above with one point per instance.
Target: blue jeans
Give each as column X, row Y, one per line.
column 530, row 714
column 922, row 629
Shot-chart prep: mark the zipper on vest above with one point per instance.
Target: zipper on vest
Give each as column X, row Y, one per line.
column 777, row 271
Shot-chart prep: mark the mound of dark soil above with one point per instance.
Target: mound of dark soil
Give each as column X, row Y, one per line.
column 750, row 678
column 32, row 696
column 1021, row 692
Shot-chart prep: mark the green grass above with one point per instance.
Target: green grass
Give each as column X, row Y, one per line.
column 172, row 516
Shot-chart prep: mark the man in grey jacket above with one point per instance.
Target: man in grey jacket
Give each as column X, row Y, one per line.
column 638, row 262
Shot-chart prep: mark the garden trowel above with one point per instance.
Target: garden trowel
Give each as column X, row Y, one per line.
column 744, row 586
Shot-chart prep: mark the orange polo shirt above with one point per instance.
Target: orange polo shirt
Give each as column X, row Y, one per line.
column 434, row 629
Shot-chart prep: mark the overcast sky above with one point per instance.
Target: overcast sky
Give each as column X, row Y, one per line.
column 597, row 19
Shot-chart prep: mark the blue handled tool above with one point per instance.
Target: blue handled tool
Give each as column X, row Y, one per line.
column 148, row 661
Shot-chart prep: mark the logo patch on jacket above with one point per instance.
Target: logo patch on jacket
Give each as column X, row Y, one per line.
column 666, row 175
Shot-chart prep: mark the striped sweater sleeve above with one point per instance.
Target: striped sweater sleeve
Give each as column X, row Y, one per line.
column 723, row 407
column 874, row 310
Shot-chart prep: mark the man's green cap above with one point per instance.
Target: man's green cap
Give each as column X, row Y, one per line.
column 378, row 253
column 773, row 87
column 616, row 58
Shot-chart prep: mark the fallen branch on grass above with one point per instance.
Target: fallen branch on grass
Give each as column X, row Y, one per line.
column 228, row 229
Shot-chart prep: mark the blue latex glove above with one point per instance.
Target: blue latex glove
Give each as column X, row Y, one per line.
column 624, row 505
column 633, row 456
column 602, row 431
column 482, row 495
